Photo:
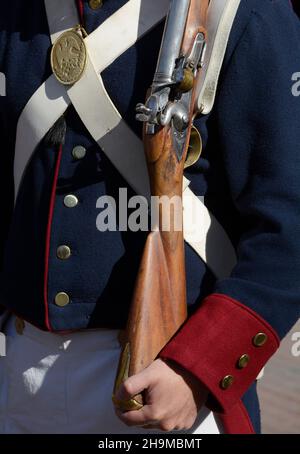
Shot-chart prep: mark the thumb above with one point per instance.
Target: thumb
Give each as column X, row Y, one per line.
column 134, row 385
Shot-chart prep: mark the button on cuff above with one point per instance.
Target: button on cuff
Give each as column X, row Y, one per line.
column 227, row 382
column 213, row 341
column 243, row 361
column 260, row 339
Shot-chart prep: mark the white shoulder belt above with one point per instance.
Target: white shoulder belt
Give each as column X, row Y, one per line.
column 104, row 122
column 220, row 18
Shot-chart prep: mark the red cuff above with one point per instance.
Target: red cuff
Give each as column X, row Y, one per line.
column 225, row 345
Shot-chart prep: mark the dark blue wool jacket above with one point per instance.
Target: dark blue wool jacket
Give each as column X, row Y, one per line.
column 249, row 174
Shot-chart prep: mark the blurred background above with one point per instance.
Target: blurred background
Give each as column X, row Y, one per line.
column 279, row 389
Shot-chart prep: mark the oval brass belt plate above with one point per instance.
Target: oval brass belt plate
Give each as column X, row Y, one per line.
column 69, row 57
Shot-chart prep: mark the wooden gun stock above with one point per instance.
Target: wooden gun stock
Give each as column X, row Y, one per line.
column 158, row 306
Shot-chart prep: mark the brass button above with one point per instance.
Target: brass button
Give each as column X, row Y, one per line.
column 70, row 201
column 95, row 4
column 260, row 339
column 243, row 361
column 62, row 299
column 19, row 325
column 63, row 252
column 78, row 152
column 227, row 382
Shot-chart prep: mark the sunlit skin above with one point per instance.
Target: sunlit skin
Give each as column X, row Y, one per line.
column 173, row 397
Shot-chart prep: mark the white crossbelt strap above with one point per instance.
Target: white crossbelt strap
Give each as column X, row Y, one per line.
column 51, row 100
column 62, row 16
column 127, row 25
column 220, row 18
column 106, row 126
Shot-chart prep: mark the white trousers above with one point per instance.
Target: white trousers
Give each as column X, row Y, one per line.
column 62, row 384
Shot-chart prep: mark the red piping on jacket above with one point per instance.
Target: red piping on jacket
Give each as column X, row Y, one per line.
column 48, row 236
column 80, row 11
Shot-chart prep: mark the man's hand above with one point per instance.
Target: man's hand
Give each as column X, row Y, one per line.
column 173, row 397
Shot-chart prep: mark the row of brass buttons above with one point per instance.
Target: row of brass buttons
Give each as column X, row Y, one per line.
column 63, row 251
column 258, row 341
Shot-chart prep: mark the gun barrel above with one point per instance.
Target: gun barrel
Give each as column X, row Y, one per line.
column 171, row 42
